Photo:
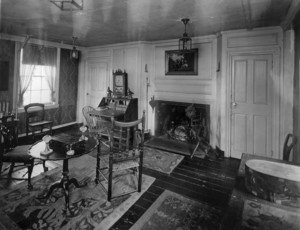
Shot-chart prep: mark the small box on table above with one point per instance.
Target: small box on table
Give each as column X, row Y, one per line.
column 66, row 142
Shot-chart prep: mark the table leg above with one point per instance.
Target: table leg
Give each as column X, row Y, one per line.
column 64, row 184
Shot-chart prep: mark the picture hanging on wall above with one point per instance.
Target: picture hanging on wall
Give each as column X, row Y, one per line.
column 182, row 62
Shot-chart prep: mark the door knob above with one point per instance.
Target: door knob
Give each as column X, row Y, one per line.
column 234, row 104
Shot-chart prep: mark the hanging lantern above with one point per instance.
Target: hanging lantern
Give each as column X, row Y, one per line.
column 185, row 43
column 74, row 52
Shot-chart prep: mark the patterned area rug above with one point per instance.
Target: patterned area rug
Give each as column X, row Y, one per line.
column 161, row 160
column 173, row 211
column 257, row 216
column 89, row 208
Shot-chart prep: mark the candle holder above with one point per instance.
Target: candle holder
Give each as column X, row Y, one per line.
column 70, row 152
column 83, row 129
column 47, row 151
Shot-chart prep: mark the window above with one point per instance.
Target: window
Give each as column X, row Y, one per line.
column 39, row 89
column 38, row 75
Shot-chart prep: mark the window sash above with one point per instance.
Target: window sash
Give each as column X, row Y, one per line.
column 44, row 59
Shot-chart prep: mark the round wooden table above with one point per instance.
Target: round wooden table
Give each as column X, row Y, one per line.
column 60, row 145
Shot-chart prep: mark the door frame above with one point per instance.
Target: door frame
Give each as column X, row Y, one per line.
column 277, row 87
column 106, row 60
column 83, row 84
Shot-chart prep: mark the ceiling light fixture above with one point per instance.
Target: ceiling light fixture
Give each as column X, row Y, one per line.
column 185, row 43
column 68, row 5
column 74, row 52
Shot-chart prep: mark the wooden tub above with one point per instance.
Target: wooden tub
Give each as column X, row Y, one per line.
column 273, row 181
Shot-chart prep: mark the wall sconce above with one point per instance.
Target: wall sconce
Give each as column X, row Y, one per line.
column 185, row 43
column 68, row 5
column 74, row 52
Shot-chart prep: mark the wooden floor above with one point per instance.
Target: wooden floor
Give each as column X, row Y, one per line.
column 210, row 182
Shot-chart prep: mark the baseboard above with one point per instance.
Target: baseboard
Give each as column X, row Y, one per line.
column 59, row 128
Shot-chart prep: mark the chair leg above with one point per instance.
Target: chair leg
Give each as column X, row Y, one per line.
column 140, row 179
column 11, row 168
column 109, row 187
column 44, row 166
column 27, row 131
column 33, row 136
column 98, row 161
column 30, row 168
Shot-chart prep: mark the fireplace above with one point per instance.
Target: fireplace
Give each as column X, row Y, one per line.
column 180, row 124
column 182, row 121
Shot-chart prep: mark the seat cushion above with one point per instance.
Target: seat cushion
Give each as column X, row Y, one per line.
column 18, row 154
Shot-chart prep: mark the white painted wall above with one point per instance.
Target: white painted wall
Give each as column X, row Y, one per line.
column 200, row 88
column 287, row 83
column 209, row 86
column 146, row 62
column 269, row 41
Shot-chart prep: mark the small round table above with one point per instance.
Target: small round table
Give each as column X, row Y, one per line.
column 58, row 144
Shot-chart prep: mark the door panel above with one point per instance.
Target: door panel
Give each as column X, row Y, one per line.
column 260, row 82
column 98, row 81
column 240, row 132
column 260, row 132
column 240, row 83
column 251, row 105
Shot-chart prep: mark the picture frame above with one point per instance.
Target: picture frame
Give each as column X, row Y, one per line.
column 181, row 62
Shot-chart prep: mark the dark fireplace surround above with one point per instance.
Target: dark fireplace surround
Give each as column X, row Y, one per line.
column 181, row 121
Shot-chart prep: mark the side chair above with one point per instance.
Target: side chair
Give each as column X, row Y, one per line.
column 35, row 120
column 125, row 157
column 36, row 124
column 10, row 152
column 289, row 142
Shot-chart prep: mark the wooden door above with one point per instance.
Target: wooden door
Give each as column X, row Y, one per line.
column 251, row 105
column 98, row 81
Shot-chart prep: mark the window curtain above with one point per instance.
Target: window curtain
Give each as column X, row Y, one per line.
column 30, row 56
column 48, row 58
column 26, row 71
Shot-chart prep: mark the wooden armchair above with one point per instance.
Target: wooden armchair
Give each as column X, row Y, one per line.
column 35, row 120
column 12, row 153
column 125, row 156
column 97, row 125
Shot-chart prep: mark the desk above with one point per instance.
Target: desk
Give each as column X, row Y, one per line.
column 123, row 109
column 107, row 113
column 245, row 209
column 59, row 153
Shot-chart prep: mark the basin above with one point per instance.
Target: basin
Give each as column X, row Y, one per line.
column 273, row 181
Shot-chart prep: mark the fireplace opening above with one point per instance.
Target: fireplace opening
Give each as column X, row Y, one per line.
column 179, row 125
column 180, row 121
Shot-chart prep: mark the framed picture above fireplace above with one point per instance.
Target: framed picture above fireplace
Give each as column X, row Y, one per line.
column 181, row 62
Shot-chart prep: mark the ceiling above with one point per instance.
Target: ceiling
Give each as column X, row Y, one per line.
column 103, row 22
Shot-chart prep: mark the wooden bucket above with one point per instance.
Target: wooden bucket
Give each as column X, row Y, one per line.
column 273, row 181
